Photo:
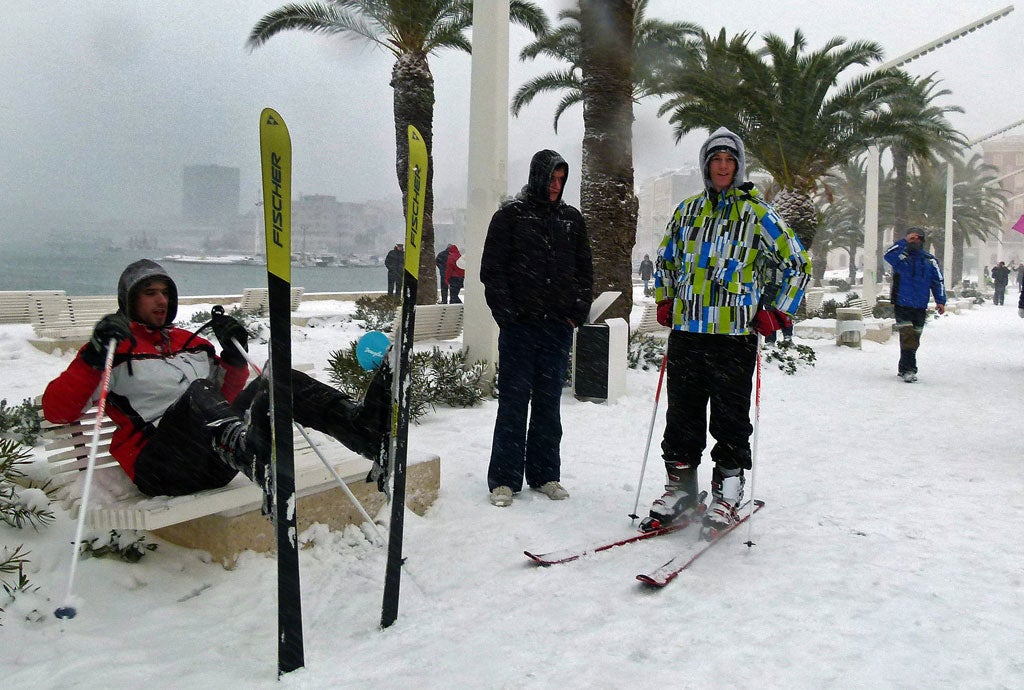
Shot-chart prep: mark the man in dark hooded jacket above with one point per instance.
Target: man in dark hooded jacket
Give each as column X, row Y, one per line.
column 185, row 419
column 538, row 282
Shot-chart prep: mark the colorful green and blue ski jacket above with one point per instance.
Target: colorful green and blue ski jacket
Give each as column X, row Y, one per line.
column 719, row 253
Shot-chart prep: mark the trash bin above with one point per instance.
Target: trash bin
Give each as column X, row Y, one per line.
column 599, row 360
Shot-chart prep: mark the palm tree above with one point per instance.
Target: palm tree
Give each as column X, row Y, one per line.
column 410, row 30
column 978, row 205
column 653, row 41
column 917, row 129
column 784, row 104
column 841, row 219
column 614, row 54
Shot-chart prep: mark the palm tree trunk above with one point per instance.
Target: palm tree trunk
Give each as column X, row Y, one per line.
column 607, row 196
column 413, row 87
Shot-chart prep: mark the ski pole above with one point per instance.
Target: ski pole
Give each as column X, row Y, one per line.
column 650, row 433
column 319, row 454
column 67, row 610
column 753, row 441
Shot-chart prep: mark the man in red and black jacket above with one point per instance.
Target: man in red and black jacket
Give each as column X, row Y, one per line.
column 186, row 421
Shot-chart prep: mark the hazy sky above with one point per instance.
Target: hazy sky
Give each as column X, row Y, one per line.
column 106, row 101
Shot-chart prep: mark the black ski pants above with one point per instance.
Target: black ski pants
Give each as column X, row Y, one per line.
column 910, row 322
column 532, row 359
column 708, row 369
column 180, row 458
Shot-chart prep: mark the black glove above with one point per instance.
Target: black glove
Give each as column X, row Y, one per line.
column 228, row 329
column 114, row 326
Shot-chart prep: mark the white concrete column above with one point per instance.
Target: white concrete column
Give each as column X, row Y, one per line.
column 947, row 254
column 870, row 257
column 488, row 165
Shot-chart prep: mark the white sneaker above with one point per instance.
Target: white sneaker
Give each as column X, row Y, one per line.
column 501, row 496
column 553, row 490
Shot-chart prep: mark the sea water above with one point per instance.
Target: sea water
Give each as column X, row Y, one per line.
column 86, row 270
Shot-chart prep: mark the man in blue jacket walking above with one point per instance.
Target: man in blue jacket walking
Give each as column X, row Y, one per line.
column 915, row 276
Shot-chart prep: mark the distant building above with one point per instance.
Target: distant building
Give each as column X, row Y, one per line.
column 658, row 198
column 210, row 195
column 1007, row 156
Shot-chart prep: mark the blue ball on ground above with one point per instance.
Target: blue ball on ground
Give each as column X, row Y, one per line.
column 371, row 349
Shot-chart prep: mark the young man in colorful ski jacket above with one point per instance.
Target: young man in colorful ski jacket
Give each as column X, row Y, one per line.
column 915, row 276
column 178, row 408
column 538, row 281
column 726, row 263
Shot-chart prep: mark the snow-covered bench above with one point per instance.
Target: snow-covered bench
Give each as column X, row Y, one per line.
column 19, row 306
column 228, row 520
column 437, row 322
column 257, row 300
column 62, row 322
column 649, row 321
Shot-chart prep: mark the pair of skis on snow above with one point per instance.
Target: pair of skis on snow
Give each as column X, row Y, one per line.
column 668, row 571
column 276, row 156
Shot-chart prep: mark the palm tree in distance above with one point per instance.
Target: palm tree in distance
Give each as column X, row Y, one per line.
column 410, row 30
column 979, row 204
column 784, row 104
column 918, row 130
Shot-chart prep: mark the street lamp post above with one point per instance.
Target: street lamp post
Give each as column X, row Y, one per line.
column 870, row 270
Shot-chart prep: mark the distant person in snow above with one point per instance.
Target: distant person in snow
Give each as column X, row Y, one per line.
column 186, row 421
column 538, row 281
column 394, row 262
column 915, row 275
column 441, row 261
column 646, row 273
column 714, row 284
column 454, row 274
column 1000, row 279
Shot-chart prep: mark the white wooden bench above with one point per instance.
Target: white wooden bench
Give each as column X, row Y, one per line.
column 222, row 521
column 866, row 311
column 812, row 301
column 18, row 306
column 649, row 321
column 62, row 322
column 438, row 322
column 256, row 300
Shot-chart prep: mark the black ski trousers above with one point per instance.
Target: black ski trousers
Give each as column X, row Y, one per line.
column 910, row 322
column 180, row 458
column 532, row 361
column 708, row 369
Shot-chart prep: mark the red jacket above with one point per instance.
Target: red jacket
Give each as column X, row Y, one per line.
column 146, row 379
column 452, row 270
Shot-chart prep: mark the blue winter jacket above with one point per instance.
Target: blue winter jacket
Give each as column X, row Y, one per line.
column 914, row 275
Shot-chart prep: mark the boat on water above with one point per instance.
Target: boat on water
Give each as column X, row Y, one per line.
column 242, row 259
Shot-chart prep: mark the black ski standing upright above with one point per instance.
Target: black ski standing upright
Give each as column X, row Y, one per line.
column 276, row 155
column 417, row 187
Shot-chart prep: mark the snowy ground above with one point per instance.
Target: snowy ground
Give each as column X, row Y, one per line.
column 890, row 554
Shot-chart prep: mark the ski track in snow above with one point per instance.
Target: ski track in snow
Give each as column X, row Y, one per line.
column 889, row 553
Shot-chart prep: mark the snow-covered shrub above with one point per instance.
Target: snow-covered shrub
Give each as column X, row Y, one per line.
column 376, row 313
column 438, row 377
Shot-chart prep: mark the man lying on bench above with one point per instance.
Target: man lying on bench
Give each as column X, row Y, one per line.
column 185, row 419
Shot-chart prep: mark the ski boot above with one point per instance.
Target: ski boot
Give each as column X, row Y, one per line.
column 726, row 496
column 680, row 496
